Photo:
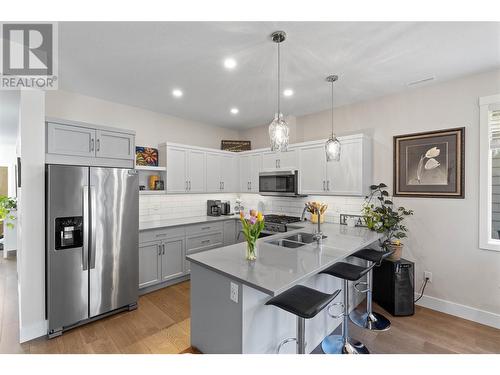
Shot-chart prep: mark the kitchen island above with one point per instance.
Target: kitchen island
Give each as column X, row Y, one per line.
column 228, row 293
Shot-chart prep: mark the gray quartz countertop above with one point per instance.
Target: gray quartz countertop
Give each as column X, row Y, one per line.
column 279, row 268
column 155, row 224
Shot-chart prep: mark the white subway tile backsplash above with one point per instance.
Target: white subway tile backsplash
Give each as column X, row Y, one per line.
column 164, row 207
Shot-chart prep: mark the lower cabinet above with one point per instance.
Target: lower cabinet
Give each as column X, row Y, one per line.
column 172, row 259
column 229, row 232
column 161, row 261
column 162, row 252
column 149, row 265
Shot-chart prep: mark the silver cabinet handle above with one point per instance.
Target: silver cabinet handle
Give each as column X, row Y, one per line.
column 276, row 163
column 159, row 248
column 279, row 163
column 324, row 188
column 189, row 185
column 250, row 185
column 205, row 241
column 222, row 185
column 98, row 144
column 163, row 249
column 205, row 228
column 328, row 185
column 92, row 144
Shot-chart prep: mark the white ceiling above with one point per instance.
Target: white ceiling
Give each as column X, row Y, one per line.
column 9, row 114
column 140, row 63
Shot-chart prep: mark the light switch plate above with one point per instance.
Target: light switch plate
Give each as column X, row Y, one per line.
column 234, row 292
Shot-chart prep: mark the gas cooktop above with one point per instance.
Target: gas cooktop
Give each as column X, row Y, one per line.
column 278, row 223
column 281, row 219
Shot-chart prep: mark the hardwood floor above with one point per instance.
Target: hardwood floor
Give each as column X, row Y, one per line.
column 161, row 325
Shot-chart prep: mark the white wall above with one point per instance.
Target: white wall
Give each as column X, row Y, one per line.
column 31, row 216
column 152, row 128
column 443, row 235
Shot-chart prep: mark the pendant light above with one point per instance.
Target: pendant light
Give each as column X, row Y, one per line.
column 278, row 128
column 332, row 146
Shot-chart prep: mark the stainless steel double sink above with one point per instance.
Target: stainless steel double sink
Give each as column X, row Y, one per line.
column 294, row 241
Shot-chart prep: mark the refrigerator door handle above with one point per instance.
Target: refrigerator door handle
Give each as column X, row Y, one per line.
column 85, row 249
column 92, row 226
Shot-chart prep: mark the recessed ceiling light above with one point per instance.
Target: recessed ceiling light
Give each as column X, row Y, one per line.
column 235, row 111
column 230, row 63
column 288, row 92
column 177, row 93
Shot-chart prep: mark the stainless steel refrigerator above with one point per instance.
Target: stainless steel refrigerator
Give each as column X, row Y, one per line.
column 92, row 230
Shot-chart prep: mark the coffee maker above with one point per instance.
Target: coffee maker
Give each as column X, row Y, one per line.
column 214, row 208
column 225, row 208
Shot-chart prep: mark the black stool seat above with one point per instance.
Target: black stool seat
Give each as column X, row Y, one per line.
column 302, row 301
column 372, row 255
column 346, row 271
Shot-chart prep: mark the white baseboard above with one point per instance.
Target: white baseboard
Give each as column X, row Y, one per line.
column 462, row 311
column 33, row 331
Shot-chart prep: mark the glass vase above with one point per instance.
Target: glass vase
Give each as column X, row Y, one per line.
column 251, row 255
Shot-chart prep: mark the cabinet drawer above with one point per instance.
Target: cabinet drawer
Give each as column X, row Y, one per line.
column 204, row 242
column 160, row 234
column 204, row 228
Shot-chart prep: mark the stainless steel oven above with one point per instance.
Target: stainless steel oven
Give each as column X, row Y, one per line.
column 279, row 183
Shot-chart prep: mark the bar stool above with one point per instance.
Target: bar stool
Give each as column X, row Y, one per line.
column 370, row 320
column 343, row 344
column 305, row 303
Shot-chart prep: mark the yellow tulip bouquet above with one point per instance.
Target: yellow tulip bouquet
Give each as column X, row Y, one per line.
column 252, row 225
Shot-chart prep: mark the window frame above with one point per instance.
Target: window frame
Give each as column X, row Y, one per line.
column 486, row 242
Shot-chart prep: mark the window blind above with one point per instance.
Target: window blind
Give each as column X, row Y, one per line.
column 494, row 125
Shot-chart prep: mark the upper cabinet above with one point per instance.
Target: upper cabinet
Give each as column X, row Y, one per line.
column 185, row 169
column 198, row 170
column 352, row 175
column 280, row 160
column 71, row 142
column 250, row 166
column 114, row 145
column 222, row 173
column 193, row 169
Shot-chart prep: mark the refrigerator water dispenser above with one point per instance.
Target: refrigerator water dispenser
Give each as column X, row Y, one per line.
column 68, row 232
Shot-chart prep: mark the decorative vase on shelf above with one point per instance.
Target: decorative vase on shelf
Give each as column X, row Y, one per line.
column 252, row 224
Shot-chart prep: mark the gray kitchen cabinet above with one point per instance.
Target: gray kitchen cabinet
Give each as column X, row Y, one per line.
column 78, row 143
column 240, row 237
column 172, row 258
column 149, row 265
column 70, row 140
column 114, row 145
column 229, row 232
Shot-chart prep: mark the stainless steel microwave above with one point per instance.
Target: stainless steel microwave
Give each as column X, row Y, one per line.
column 279, row 183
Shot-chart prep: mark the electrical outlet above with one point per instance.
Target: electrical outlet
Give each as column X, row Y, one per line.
column 234, row 292
column 428, row 275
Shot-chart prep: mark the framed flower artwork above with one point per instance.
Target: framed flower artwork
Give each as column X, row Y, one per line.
column 430, row 164
column 146, row 156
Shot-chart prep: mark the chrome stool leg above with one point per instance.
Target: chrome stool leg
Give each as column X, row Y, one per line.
column 370, row 319
column 343, row 344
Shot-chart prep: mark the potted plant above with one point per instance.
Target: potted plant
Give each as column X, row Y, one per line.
column 252, row 225
column 381, row 216
column 6, row 206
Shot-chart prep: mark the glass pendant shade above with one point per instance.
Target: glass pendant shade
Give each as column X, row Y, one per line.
column 278, row 133
column 332, row 149
column 332, row 146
